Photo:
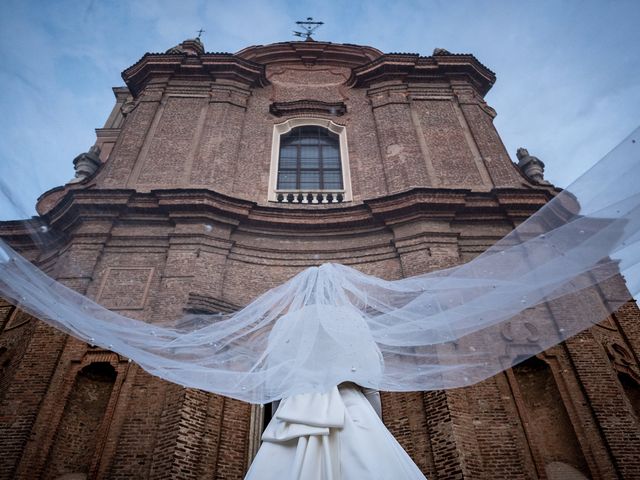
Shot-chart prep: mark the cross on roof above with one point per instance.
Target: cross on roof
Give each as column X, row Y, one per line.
column 200, row 32
column 309, row 26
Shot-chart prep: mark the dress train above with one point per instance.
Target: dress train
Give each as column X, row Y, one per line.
column 330, row 436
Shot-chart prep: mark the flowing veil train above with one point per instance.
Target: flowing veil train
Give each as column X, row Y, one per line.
column 564, row 269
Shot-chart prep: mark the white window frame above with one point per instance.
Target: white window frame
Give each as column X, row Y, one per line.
column 280, row 129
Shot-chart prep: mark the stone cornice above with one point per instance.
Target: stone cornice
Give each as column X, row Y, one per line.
column 21, row 235
column 407, row 67
column 369, row 65
column 213, row 66
column 200, row 205
column 310, row 53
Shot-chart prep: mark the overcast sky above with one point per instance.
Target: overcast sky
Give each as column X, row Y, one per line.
column 568, row 72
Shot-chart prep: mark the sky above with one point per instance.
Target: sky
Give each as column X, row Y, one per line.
column 568, row 72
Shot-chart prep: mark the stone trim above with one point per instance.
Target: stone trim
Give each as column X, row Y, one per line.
column 202, row 304
column 280, row 129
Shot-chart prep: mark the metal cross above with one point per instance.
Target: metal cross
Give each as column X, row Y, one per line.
column 200, row 32
column 309, row 26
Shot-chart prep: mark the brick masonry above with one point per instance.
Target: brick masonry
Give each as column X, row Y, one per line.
column 178, row 213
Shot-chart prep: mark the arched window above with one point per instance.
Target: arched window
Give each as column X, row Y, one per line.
column 309, row 160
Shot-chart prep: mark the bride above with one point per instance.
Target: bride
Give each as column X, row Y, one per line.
column 329, row 436
column 326, row 338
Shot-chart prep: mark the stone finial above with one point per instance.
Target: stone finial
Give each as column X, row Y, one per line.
column 191, row 47
column 531, row 166
column 86, row 164
column 441, row 51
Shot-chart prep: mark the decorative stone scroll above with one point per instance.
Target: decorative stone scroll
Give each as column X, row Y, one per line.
column 621, row 359
column 307, row 107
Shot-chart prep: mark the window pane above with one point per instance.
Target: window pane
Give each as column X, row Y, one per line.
column 289, row 151
column 330, row 157
column 287, row 180
column 330, row 151
column 288, row 163
column 311, row 164
column 329, row 139
column 310, row 140
column 310, row 176
column 308, row 131
column 309, row 152
column 332, row 180
column 309, row 159
column 331, row 163
column 309, row 180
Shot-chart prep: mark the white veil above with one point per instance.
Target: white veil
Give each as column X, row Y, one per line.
column 555, row 275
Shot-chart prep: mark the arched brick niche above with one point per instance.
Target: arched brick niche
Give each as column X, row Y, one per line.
column 549, row 429
column 16, row 328
column 631, row 389
column 75, row 441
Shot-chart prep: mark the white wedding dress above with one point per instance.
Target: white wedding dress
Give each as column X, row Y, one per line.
column 330, row 436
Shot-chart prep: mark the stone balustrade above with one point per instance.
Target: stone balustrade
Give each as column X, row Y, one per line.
column 304, row 197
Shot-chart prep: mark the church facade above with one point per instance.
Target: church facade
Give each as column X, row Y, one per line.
column 218, row 176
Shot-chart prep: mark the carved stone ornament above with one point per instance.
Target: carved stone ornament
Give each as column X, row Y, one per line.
column 86, row 164
column 531, row 166
column 307, row 107
column 441, row 51
column 621, row 359
column 192, row 47
column 525, row 334
column 127, row 107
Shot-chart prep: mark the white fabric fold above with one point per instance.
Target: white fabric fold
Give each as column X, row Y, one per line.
column 293, row 418
column 335, row 435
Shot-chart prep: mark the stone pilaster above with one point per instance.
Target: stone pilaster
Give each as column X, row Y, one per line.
column 403, row 160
